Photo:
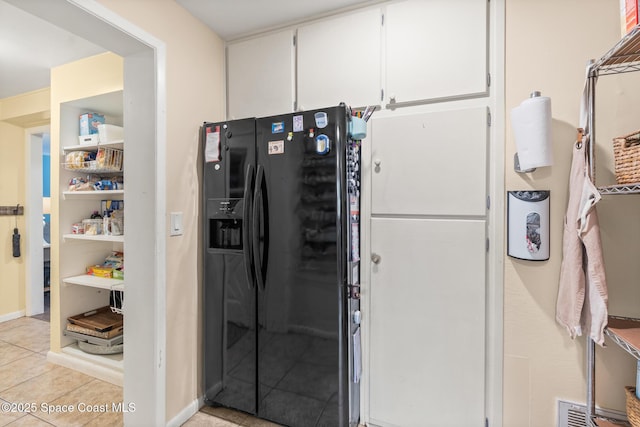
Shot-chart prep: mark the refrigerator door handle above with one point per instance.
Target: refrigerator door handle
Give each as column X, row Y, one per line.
column 247, row 217
column 260, row 207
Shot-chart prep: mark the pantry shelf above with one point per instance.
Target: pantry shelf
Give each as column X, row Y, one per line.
column 91, row 167
column 95, row 282
column 112, row 361
column 98, row 195
column 624, row 57
column 89, row 147
column 625, row 332
column 620, row 189
column 608, row 422
column 94, row 238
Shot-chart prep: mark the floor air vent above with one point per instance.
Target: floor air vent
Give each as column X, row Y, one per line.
column 573, row 415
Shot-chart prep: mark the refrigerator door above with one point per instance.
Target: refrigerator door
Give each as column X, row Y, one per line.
column 301, row 234
column 229, row 283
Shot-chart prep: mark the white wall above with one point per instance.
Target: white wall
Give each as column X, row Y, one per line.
column 195, row 93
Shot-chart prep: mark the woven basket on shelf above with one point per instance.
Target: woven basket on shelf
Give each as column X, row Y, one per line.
column 626, row 152
column 633, row 406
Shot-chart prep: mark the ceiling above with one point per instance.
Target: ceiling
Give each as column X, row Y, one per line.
column 234, row 19
column 30, row 46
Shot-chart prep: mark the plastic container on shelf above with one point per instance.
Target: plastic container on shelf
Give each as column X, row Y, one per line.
column 92, row 227
column 110, row 133
column 88, row 139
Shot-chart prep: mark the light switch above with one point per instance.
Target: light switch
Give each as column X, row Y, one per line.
column 176, row 224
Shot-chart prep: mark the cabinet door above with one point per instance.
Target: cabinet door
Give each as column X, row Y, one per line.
column 339, row 61
column 427, row 337
column 435, row 49
column 430, row 163
column 260, row 76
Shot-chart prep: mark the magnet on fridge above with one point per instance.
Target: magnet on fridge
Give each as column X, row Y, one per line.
column 277, row 127
column 528, row 225
column 212, row 145
column 323, row 144
column 321, row 119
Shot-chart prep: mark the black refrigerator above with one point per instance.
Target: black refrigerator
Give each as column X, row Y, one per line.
column 281, row 201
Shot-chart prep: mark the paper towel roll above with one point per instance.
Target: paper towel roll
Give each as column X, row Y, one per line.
column 531, row 123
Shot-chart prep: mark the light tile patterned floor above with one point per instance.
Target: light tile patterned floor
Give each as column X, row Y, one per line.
column 223, row 417
column 29, row 384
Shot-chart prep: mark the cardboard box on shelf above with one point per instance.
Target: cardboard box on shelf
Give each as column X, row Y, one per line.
column 89, row 123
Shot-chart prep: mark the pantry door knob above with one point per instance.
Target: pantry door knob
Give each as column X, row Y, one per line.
column 375, row 258
column 377, row 163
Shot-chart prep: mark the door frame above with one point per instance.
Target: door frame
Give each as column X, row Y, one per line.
column 34, row 259
column 145, row 102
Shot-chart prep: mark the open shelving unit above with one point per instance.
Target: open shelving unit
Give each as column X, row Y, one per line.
column 624, row 57
column 80, row 292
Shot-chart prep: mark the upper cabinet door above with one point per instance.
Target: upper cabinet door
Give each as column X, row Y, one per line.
column 260, row 76
column 431, row 163
column 339, row 61
column 435, row 49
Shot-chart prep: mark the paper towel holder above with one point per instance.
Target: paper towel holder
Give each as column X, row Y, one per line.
column 516, row 165
column 516, row 161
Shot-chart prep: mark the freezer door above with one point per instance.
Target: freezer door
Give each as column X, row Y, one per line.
column 300, row 226
column 229, row 286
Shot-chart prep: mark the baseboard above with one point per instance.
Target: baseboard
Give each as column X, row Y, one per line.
column 189, row 411
column 86, row 367
column 12, row 316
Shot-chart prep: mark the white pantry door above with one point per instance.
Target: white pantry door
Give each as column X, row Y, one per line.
column 427, row 347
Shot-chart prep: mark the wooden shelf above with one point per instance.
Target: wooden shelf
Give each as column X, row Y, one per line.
column 94, row 238
column 606, row 422
column 625, row 332
column 95, row 282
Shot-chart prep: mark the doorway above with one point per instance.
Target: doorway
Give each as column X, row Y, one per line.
column 38, row 217
column 145, row 99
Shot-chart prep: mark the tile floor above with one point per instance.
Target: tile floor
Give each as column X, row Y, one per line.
column 27, row 379
column 29, row 384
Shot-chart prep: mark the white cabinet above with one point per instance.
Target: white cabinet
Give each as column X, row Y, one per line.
column 427, row 337
column 260, row 76
column 79, row 292
column 412, row 51
column 435, row 49
column 430, row 163
column 339, row 61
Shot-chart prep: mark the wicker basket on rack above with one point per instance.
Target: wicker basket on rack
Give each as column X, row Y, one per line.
column 633, row 406
column 626, row 152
